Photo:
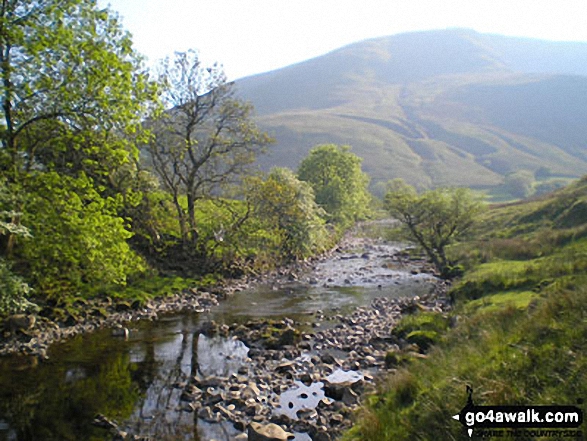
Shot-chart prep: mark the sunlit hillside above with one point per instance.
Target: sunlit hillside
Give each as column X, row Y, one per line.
column 436, row 108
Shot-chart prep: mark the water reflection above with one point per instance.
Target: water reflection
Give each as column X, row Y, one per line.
column 137, row 382
column 299, row 398
column 56, row 401
column 220, row 356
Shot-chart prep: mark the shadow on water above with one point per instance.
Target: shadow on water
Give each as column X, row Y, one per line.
column 137, row 382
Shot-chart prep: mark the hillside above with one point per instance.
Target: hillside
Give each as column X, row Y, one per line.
column 516, row 334
column 450, row 107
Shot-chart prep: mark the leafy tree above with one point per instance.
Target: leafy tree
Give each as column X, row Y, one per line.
column 78, row 236
column 13, row 290
column 435, row 219
column 289, row 211
column 338, row 182
column 72, row 96
column 204, row 141
column 70, row 81
column 519, row 184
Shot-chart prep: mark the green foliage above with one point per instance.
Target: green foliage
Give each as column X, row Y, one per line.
column 70, row 79
column 508, row 356
column 204, row 142
column 519, row 184
column 78, row 236
column 13, row 291
column 287, row 210
column 434, row 219
column 339, row 183
column 72, row 95
column 423, row 321
column 520, row 333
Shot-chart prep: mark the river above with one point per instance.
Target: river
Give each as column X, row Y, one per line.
column 138, row 381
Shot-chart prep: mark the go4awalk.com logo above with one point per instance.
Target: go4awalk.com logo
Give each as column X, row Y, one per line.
column 517, row 421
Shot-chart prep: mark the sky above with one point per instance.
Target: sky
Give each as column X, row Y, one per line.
column 253, row 36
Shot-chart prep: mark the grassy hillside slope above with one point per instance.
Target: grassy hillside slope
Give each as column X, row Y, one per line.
column 520, row 325
column 435, row 108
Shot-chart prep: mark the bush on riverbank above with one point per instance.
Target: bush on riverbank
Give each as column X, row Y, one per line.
column 521, row 329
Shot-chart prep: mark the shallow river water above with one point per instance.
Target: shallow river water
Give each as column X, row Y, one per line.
column 135, row 382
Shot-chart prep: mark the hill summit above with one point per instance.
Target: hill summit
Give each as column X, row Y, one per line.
column 437, row 108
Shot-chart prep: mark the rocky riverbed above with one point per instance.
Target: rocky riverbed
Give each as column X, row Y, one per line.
column 292, row 383
column 298, row 362
column 357, row 261
column 305, row 379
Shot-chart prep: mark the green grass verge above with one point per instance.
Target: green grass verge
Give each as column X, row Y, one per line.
column 521, row 326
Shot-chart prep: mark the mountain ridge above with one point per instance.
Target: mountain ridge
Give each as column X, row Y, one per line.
column 451, row 107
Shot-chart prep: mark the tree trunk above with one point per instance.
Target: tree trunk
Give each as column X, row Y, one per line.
column 193, row 231
column 182, row 222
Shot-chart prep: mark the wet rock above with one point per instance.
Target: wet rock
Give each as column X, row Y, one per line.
column 104, row 422
column 268, row 432
column 224, row 413
column 251, row 391
column 19, row 322
column 205, row 413
column 123, row 306
column 282, row 368
column 120, row 332
column 327, row 358
column 280, row 338
column 350, row 397
column 321, row 436
column 209, row 329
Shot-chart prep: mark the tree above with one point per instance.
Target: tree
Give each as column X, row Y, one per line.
column 79, row 238
column 338, row 182
column 434, row 219
column 72, row 95
column 70, row 83
column 519, row 184
column 288, row 210
column 205, row 140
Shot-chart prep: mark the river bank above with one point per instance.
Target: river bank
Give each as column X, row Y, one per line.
column 305, row 378
column 296, row 348
column 306, row 383
column 32, row 334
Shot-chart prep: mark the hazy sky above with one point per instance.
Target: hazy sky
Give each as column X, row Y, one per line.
column 252, row 36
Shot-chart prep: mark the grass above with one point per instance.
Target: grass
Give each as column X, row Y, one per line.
column 514, row 299
column 521, row 326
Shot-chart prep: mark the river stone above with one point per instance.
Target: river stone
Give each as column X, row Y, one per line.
column 349, row 397
column 268, row 432
column 205, row 413
column 250, row 391
column 322, row 436
column 288, row 337
column 19, row 322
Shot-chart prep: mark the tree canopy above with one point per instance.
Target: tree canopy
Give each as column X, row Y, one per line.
column 70, row 84
column 204, row 140
column 339, row 183
column 72, row 97
column 287, row 207
column 435, row 219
